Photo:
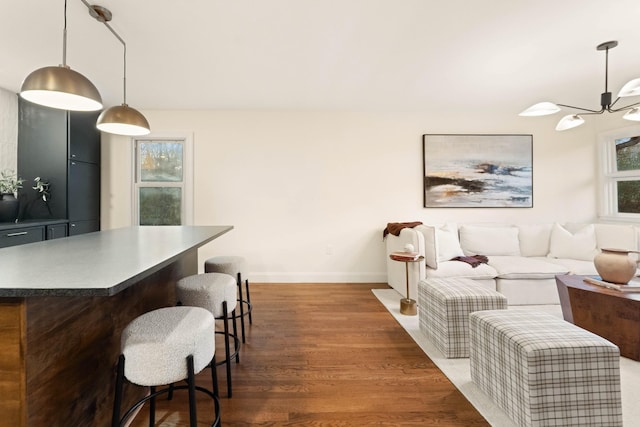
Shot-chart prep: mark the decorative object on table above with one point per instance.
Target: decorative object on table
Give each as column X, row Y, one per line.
column 480, row 171
column 632, row 286
column 408, row 306
column 9, row 204
column 615, row 265
column 631, row 88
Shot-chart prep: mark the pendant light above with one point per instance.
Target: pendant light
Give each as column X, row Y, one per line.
column 121, row 119
column 60, row 86
column 632, row 88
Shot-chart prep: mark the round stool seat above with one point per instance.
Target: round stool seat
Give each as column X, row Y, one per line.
column 208, row 290
column 156, row 344
column 231, row 265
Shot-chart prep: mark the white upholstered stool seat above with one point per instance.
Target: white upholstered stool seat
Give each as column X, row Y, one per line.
column 162, row 347
column 156, row 344
column 234, row 266
column 215, row 292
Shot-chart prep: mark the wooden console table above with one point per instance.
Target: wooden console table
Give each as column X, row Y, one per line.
column 63, row 305
column 612, row 314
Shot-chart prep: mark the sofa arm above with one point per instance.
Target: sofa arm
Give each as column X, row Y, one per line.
column 396, row 273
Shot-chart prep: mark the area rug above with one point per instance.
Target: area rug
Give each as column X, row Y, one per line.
column 458, row 372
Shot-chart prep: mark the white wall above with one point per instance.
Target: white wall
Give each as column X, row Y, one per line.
column 8, row 130
column 309, row 193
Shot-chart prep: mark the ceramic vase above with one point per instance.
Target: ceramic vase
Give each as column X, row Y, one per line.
column 9, row 207
column 615, row 265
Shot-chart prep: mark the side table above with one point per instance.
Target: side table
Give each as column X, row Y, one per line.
column 408, row 306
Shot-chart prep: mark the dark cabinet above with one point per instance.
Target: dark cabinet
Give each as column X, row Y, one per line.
column 63, row 149
column 20, row 236
column 56, row 231
column 31, row 231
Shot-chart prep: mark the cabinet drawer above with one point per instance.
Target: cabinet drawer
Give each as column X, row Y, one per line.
column 20, row 236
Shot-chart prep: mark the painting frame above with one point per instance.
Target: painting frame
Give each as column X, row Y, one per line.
column 477, row 170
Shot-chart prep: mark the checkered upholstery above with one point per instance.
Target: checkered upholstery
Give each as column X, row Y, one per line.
column 443, row 309
column 543, row 371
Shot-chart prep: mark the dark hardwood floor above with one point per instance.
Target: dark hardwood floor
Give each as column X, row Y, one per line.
column 326, row 355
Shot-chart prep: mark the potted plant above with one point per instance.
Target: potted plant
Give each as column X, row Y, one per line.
column 9, row 205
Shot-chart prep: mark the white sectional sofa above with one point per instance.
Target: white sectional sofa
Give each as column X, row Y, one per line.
column 523, row 259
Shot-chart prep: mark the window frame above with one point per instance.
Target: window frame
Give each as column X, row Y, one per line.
column 187, row 174
column 609, row 176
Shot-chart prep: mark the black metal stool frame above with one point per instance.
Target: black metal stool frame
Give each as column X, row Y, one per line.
column 116, row 421
column 244, row 302
column 236, row 344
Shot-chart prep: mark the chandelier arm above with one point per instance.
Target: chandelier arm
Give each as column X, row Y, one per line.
column 626, row 107
column 103, row 15
column 582, row 109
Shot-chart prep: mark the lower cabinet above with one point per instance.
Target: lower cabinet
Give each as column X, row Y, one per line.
column 81, row 227
column 20, row 236
column 22, row 233
column 57, row 231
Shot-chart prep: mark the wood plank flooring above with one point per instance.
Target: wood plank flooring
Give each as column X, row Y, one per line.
column 326, row 355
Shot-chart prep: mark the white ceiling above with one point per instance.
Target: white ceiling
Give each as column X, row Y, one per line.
column 363, row 55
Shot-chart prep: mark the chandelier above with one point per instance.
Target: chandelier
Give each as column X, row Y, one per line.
column 632, row 88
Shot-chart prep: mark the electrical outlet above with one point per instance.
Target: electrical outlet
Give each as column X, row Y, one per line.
column 329, row 250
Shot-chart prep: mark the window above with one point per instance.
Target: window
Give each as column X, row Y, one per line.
column 162, row 187
column 621, row 173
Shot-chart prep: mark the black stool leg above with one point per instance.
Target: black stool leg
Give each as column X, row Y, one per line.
column 227, row 353
column 193, row 422
column 117, row 403
column 236, row 343
column 246, row 284
column 241, row 305
column 214, row 377
column 152, row 407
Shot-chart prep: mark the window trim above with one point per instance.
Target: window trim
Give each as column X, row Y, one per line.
column 187, row 177
column 608, row 176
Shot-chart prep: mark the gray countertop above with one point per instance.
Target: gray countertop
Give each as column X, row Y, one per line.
column 96, row 264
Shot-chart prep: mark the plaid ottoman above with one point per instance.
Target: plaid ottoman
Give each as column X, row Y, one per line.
column 443, row 311
column 543, row 371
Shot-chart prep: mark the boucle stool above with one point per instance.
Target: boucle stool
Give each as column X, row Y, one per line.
column 233, row 266
column 162, row 347
column 215, row 292
column 443, row 311
column 543, row 371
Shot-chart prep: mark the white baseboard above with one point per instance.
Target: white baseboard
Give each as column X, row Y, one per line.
column 302, row 277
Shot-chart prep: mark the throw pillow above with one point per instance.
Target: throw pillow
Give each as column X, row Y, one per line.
column 448, row 243
column 441, row 243
column 580, row 245
column 534, row 239
column 489, row 240
column 430, row 245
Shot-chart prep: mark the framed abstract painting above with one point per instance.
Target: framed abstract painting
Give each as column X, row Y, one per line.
column 478, row 171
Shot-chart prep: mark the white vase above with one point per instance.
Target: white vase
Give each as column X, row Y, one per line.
column 615, row 265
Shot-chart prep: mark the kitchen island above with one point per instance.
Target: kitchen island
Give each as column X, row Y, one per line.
column 63, row 305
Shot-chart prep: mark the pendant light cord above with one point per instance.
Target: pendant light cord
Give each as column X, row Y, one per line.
column 64, row 37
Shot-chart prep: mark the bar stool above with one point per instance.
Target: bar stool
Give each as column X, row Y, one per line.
column 233, row 266
column 215, row 292
column 162, row 347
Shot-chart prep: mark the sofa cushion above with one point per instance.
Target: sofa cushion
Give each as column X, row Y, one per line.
column 534, row 239
column 575, row 266
column 515, row 267
column 461, row 269
column 617, row 236
column 489, row 240
column 580, row 244
column 441, row 243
